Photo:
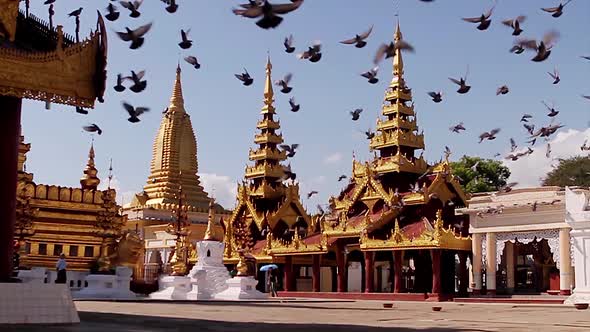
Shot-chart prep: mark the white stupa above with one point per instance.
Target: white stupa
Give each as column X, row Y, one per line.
column 209, row 276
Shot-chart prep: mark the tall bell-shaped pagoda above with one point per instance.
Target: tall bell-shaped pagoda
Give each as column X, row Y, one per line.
column 267, row 206
column 174, row 159
column 397, row 137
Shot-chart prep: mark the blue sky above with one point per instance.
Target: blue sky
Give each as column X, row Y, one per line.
column 224, row 112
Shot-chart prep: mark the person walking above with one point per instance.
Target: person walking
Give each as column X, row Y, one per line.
column 273, row 283
column 60, row 266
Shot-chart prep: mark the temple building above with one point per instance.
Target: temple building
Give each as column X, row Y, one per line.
column 392, row 229
column 174, row 165
column 521, row 242
column 269, row 209
column 53, row 219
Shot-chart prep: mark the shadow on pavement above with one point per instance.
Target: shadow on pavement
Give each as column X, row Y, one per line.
column 108, row 322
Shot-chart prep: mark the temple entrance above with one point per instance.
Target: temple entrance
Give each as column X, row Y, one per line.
column 527, row 268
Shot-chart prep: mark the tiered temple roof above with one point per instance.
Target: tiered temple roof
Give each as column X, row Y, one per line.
column 397, row 197
column 268, row 209
column 43, row 63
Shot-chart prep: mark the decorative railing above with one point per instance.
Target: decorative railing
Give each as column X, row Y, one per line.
column 268, row 138
column 397, row 138
column 397, row 108
column 267, row 154
column 268, row 124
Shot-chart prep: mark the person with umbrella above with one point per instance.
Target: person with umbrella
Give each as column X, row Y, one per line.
column 271, row 278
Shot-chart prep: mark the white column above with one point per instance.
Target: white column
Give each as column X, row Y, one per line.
column 577, row 216
column 476, row 263
column 565, row 263
column 491, row 263
column 510, row 281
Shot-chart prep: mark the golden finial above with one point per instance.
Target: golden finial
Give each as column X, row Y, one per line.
column 90, row 180
column 268, row 91
column 398, row 63
column 398, row 33
column 210, row 234
column 177, row 100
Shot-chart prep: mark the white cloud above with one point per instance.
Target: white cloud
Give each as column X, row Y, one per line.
column 221, row 187
column 529, row 171
column 333, row 158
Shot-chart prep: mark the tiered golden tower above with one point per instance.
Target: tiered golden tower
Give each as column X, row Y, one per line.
column 397, row 137
column 267, row 171
column 396, row 182
column 266, row 204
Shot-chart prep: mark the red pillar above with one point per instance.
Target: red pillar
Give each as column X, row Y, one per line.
column 288, row 279
column 369, row 271
column 435, row 256
column 341, row 285
column 316, row 273
column 463, row 276
column 397, row 270
column 10, row 109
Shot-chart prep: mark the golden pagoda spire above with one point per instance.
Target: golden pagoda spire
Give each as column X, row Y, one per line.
column 397, row 135
column 90, row 180
column 267, row 170
column 268, row 91
column 398, row 62
column 210, row 234
column 174, row 158
column 177, row 100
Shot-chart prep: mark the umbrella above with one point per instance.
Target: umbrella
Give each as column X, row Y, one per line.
column 268, row 267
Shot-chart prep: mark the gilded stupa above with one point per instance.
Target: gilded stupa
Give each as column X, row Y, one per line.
column 173, row 164
column 268, row 206
column 174, row 161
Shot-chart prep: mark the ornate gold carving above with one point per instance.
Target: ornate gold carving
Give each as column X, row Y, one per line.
column 296, row 246
column 210, row 232
column 25, row 217
column 246, row 265
column 72, row 76
column 8, row 15
column 127, row 250
column 108, row 228
column 431, row 238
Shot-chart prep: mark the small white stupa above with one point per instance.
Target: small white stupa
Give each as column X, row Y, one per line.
column 209, row 276
column 209, row 279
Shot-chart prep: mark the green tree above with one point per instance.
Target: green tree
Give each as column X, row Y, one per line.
column 480, row 175
column 573, row 171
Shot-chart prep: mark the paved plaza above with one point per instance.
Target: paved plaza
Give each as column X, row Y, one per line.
column 300, row 315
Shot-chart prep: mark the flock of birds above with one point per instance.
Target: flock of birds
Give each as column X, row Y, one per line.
column 270, row 15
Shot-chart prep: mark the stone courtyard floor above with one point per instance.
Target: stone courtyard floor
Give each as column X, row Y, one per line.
column 325, row 316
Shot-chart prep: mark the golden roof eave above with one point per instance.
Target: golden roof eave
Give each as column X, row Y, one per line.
column 438, row 238
column 297, row 246
column 445, row 175
column 74, row 76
